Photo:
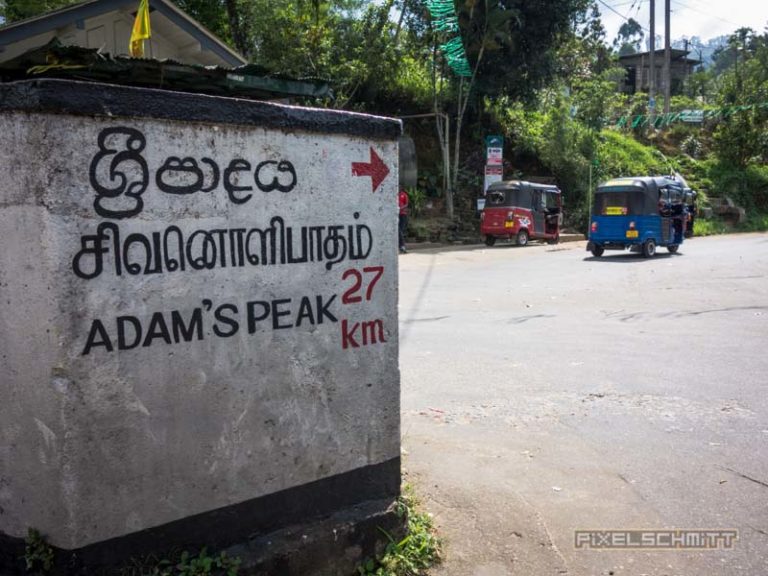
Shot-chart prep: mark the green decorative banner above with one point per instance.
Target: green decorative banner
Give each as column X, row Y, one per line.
column 443, row 14
column 690, row 116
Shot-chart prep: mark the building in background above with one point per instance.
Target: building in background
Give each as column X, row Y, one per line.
column 639, row 70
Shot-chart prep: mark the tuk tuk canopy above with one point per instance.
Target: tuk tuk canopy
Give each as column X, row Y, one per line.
column 521, row 194
column 636, row 196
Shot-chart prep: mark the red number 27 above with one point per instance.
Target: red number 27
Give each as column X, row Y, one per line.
column 352, row 295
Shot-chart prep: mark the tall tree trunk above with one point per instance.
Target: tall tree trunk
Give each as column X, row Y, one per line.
column 403, row 10
column 236, row 27
column 461, row 102
column 443, row 126
column 461, row 105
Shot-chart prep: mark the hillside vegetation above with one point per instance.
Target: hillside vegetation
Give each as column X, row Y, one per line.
column 542, row 74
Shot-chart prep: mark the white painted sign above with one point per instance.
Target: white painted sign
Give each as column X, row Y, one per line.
column 200, row 313
column 494, row 156
column 492, row 174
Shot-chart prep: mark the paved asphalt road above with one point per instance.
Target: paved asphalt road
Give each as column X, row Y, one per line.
column 545, row 391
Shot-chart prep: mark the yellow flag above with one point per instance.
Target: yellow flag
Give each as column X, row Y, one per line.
column 140, row 31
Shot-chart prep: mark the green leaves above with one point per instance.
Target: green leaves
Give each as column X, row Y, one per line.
column 14, row 10
column 38, row 554
column 200, row 564
column 518, row 41
column 417, row 551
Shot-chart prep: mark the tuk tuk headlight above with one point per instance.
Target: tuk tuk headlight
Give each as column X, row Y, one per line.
column 510, row 216
column 594, row 227
column 631, row 225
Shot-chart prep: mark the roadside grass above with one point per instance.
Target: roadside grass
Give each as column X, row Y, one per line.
column 413, row 555
column 703, row 227
column 754, row 223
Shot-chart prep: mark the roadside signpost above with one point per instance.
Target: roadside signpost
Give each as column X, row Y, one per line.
column 494, row 169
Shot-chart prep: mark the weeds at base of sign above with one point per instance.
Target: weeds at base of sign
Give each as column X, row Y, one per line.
column 185, row 564
column 199, row 565
column 419, row 550
column 38, row 554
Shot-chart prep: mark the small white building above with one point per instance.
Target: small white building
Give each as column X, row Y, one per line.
column 107, row 25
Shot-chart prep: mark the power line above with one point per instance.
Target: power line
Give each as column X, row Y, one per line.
column 711, row 6
column 706, row 13
column 625, row 18
column 613, row 10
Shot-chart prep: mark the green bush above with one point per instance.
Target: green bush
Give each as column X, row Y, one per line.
column 416, row 200
column 622, row 155
column 754, row 223
column 748, row 187
column 692, row 146
column 523, row 128
column 703, row 227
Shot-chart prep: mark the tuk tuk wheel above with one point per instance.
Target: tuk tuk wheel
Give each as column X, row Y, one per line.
column 555, row 240
column 649, row 248
column 673, row 248
column 490, row 240
column 522, row 238
column 597, row 251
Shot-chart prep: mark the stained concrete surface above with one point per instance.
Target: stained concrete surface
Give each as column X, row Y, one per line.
column 191, row 316
column 545, row 391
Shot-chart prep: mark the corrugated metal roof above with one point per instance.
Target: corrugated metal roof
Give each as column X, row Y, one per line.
column 55, row 60
column 676, row 54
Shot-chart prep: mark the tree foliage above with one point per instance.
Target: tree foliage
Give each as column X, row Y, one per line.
column 370, row 59
column 518, row 40
column 14, row 10
column 629, row 38
column 212, row 14
column 742, row 138
column 543, row 75
column 581, row 52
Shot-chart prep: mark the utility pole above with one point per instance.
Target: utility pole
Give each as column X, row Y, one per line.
column 652, row 62
column 667, row 57
column 740, row 48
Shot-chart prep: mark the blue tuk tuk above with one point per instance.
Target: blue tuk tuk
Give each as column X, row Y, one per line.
column 638, row 213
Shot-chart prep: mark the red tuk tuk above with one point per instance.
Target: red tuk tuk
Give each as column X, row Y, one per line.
column 523, row 211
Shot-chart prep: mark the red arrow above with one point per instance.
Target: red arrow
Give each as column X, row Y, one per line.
column 376, row 169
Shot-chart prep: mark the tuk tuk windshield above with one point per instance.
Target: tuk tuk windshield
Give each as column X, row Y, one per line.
column 503, row 197
column 619, row 201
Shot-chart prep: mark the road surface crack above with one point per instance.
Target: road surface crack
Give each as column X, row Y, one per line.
column 755, row 480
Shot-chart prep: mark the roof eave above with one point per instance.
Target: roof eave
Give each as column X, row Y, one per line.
column 58, row 18
column 209, row 40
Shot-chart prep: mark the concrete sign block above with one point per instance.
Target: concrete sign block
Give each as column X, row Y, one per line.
column 198, row 327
